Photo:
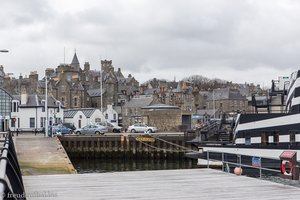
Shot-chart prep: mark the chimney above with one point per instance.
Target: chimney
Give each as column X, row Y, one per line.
column 24, row 97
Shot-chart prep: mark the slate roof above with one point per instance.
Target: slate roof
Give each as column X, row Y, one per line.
column 161, row 107
column 139, row 102
column 95, row 92
column 151, row 91
column 70, row 113
column 75, row 60
column 34, row 100
column 224, row 93
column 88, row 112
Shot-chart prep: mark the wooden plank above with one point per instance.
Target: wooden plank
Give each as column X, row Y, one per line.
column 161, row 184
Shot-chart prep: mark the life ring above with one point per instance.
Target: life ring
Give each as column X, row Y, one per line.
column 283, row 170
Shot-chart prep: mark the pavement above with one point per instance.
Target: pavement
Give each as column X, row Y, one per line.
column 40, row 155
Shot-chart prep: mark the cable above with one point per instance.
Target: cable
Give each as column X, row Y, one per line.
column 185, row 148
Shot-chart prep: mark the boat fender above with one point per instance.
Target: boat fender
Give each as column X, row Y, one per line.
column 238, row 171
column 283, row 169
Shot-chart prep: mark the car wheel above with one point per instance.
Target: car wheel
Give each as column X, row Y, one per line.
column 150, row 131
column 115, row 131
column 97, row 132
column 132, row 131
column 78, row 133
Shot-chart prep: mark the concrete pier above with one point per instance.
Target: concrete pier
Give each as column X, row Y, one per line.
column 39, row 155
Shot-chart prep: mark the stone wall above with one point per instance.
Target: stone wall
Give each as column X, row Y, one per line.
column 164, row 120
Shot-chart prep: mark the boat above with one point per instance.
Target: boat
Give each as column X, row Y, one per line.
column 264, row 135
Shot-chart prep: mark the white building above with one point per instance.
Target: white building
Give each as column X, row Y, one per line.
column 28, row 112
column 111, row 115
column 81, row 117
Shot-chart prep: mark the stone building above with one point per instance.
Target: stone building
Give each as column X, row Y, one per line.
column 132, row 110
column 225, row 100
column 14, row 86
column 65, row 84
column 164, row 117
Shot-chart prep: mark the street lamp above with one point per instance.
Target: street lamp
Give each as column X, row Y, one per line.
column 46, row 106
column 4, row 51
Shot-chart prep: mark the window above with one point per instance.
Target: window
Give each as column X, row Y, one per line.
column 63, row 88
column 15, row 107
column 75, row 101
column 42, row 121
column 276, row 137
column 292, row 137
column 32, row 122
column 247, row 139
column 106, row 116
column 5, row 103
column 115, row 116
column 58, row 108
column 97, row 120
column 265, row 138
column 13, row 122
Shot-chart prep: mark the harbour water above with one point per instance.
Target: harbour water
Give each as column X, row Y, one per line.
column 116, row 165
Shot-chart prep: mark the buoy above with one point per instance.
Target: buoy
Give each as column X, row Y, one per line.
column 238, row 171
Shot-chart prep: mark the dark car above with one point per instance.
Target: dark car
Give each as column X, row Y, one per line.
column 69, row 125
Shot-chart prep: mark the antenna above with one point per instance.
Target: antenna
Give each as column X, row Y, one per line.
column 64, row 55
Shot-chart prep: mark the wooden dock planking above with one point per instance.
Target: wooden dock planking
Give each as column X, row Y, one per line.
column 162, row 184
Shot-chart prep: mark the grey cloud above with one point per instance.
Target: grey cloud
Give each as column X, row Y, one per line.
column 163, row 38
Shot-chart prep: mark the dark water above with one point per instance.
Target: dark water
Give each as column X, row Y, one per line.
column 117, row 165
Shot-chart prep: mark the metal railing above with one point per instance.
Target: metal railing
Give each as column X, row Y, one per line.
column 239, row 163
column 11, row 183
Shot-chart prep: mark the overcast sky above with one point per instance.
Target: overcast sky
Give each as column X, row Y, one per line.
column 236, row 40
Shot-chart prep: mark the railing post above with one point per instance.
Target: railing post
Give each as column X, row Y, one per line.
column 260, row 168
column 240, row 159
column 207, row 158
column 223, row 161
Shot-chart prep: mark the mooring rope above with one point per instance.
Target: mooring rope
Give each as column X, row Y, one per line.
column 183, row 147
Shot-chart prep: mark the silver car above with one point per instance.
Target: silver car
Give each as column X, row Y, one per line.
column 92, row 129
column 111, row 127
column 141, row 128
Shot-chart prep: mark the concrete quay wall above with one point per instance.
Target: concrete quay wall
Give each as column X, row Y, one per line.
column 126, row 146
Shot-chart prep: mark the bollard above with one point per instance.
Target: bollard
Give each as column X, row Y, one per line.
column 295, row 172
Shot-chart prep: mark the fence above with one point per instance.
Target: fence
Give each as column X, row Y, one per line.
column 11, row 183
column 256, row 162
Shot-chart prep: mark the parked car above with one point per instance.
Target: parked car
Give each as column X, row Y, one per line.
column 111, row 127
column 141, row 128
column 69, row 125
column 61, row 129
column 92, row 129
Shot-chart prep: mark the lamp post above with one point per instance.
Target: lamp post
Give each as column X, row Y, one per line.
column 101, row 90
column 46, row 106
